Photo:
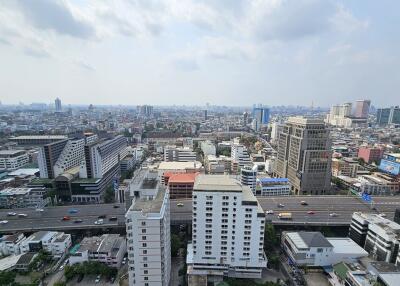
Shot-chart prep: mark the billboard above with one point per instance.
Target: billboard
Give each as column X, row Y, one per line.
column 390, row 167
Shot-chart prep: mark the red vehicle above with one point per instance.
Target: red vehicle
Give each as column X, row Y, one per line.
column 66, row 218
column 311, row 212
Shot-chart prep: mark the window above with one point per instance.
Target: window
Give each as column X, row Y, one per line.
column 225, row 198
column 209, row 197
column 145, row 272
column 143, row 223
column 145, row 265
column 319, row 250
column 143, row 230
column 146, row 278
column 144, row 237
column 144, row 244
column 144, row 251
column 208, row 252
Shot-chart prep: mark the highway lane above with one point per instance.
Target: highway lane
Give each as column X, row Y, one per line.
column 344, row 206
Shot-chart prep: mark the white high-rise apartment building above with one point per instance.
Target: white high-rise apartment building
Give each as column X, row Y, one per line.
column 228, row 230
column 240, row 154
column 149, row 241
column 57, row 104
column 101, row 157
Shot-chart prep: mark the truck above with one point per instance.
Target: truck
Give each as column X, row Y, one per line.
column 285, row 215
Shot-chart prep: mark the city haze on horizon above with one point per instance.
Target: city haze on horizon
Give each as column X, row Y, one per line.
column 308, row 52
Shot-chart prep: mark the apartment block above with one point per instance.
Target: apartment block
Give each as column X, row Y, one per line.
column 240, row 155
column 148, row 235
column 180, row 185
column 304, row 155
column 228, row 230
column 248, row 177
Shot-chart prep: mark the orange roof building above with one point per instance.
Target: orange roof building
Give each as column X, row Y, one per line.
column 180, row 184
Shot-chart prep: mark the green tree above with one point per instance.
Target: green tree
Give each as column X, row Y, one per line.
column 60, row 284
column 175, row 245
column 7, row 278
column 69, row 272
column 270, row 238
column 109, row 196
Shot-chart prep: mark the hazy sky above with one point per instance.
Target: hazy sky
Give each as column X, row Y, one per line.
column 230, row 52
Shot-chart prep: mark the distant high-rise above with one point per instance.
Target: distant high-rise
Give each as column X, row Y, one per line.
column 388, row 116
column 304, row 155
column 260, row 117
column 362, row 108
column 145, row 110
column 57, row 104
column 205, row 115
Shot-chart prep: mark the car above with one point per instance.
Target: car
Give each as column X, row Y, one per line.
column 3, row 221
column 124, row 261
column 98, row 278
column 382, row 215
column 116, row 206
column 311, row 212
column 78, row 220
column 61, row 267
column 333, row 214
column 281, row 205
column 22, row 215
column 72, row 211
column 99, row 221
column 11, row 214
column 304, row 203
column 39, row 210
column 66, row 218
column 270, row 212
column 102, row 216
column 113, row 218
column 179, row 204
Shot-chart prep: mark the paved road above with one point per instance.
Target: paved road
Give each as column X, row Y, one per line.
column 344, row 206
column 51, row 218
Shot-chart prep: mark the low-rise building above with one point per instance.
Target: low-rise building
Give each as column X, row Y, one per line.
column 273, row 187
column 54, row 242
column 344, row 167
column 313, row 249
column 379, row 236
column 179, row 154
column 378, row 184
column 11, row 244
column 208, row 148
column 370, row 154
column 108, row 249
column 23, row 198
column 11, row 160
column 178, row 167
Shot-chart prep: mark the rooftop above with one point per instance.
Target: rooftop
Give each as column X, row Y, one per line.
column 181, row 177
column 179, row 165
column 10, row 153
column 149, row 206
column 346, row 245
column 105, row 243
column 217, row 183
column 38, row 137
column 305, row 239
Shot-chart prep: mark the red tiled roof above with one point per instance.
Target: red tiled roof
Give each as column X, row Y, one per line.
column 181, row 177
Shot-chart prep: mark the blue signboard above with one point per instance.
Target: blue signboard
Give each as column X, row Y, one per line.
column 366, row 197
column 390, row 167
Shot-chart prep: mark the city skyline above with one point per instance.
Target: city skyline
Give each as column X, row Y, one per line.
column 137, row 52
